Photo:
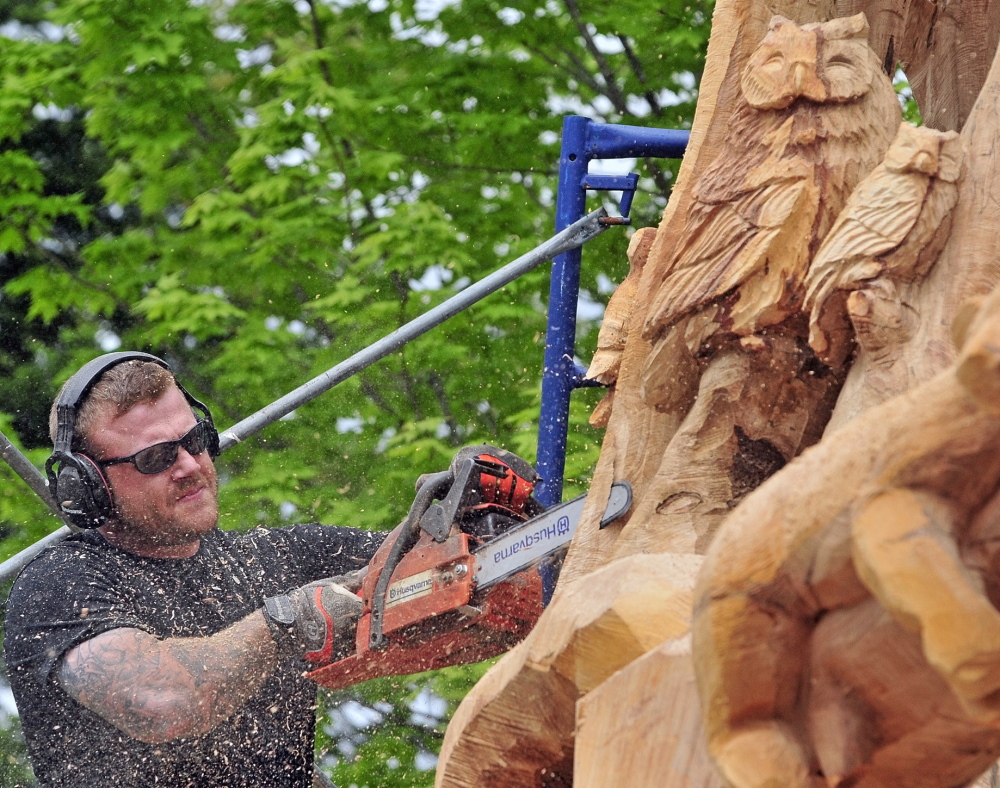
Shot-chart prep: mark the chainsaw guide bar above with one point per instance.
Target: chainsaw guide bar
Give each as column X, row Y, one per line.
column 540, row 537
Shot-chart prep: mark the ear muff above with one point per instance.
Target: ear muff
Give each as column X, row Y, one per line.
column 81, row 490
column 77, row 484
column 213, row 433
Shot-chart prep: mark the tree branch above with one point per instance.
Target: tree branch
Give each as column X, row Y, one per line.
column 612, row 91
column 437, row 386
column 372, row 393
column 640, row 75
column 577, row 71
column 124, row 306
column 663, row 183
column 320, row 43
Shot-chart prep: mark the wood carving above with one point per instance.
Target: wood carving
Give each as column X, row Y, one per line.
column 606, row 363
column 893, row 226
column 729, row 357
column 817, row 115
column 860, row 590
column 795, row 149
column 716, row 389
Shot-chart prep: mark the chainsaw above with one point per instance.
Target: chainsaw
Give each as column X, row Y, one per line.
column 458, row 579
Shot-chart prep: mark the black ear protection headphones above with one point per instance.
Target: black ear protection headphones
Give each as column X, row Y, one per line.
column 77, row 483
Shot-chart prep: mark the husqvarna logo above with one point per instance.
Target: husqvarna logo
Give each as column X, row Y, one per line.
column 410, row 588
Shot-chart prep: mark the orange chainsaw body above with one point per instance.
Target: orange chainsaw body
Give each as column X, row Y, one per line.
column 433, row 614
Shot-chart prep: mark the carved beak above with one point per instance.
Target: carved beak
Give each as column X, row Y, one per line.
column 925, row 162
column 807, row 84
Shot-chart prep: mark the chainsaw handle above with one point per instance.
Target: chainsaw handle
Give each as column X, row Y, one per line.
column 409, row 533
column 438, row 518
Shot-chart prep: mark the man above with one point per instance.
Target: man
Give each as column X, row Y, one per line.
column 154, row 648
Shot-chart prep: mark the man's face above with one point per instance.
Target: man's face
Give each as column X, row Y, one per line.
column 160, row 515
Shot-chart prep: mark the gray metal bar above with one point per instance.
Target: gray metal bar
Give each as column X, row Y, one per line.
column 572, row 237
column 15, row 563
column 24, row 468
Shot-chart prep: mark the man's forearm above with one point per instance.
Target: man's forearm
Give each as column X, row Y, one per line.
column 157, row 690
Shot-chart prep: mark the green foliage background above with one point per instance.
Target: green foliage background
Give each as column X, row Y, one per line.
column 256, row 189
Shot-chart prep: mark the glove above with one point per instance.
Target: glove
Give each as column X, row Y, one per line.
column 317, row 621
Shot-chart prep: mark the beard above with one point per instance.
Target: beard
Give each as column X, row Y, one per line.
column 169, row 520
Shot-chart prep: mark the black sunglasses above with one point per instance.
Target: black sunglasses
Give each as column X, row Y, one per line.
column 160, row 456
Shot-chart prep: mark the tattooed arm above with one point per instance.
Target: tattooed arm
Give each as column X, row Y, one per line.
column 157, row 690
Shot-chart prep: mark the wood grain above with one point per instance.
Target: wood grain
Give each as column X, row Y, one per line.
column 717, row 397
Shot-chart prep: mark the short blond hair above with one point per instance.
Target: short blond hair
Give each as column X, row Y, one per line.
column 117, row 391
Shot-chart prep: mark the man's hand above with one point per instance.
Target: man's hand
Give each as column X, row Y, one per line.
column 318, row 620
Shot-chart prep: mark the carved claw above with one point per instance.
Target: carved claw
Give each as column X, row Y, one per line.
column 859, row 274
column 821, row 289
column 877, row 314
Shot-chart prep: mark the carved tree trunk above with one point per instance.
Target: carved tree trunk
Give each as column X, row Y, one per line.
column 809, row 267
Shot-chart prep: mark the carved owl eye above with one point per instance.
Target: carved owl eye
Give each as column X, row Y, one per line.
column 847, row 69
column 783, row 69
column 774, row 62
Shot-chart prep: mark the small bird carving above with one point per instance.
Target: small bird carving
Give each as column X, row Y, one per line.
column 888, row 227
column 611, row 339
column 816, row 114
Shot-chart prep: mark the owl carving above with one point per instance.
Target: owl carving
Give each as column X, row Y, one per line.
column 816, row 114
column 888, row 226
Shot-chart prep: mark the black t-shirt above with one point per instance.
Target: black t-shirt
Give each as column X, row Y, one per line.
column 83, row 587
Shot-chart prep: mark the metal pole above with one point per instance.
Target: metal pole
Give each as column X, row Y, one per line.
column 572, row 237
column 564, row 292
column 23, row 467
column 16, row 563
column 611, row 141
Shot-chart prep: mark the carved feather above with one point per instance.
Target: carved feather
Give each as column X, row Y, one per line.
column 817, row 114
column 888, row 224
column 876, row 219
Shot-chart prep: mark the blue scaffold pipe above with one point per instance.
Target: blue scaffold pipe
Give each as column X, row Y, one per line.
column 582, row 141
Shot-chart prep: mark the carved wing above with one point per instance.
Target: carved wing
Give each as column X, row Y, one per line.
column 727, row 243
column 877, row 218
column 918, row 252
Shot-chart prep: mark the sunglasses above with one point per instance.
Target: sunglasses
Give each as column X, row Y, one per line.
column 160, row 456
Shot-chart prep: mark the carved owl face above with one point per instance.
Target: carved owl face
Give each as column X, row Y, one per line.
column 913, row 150
column 820, row 62
column 927, row 151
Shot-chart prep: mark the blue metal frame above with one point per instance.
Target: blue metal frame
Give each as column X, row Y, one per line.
column 583, row 140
